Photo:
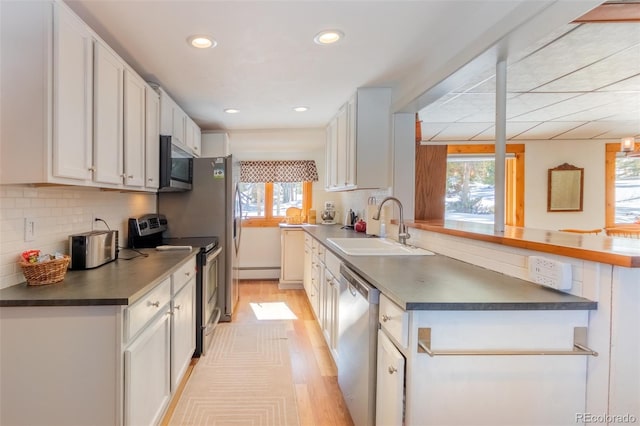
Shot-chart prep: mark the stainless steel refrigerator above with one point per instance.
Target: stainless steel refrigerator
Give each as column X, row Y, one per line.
column 211, row 208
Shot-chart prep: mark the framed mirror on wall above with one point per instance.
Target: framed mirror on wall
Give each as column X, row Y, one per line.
column 565, row 188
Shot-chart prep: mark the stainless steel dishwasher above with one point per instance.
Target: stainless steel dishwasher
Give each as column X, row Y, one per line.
column 357, row 345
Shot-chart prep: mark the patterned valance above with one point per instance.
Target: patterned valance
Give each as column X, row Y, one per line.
column 278, row 171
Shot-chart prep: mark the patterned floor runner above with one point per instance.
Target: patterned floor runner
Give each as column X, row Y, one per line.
column 244, row 379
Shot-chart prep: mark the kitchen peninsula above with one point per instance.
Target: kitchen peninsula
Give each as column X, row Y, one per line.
column 435, row 305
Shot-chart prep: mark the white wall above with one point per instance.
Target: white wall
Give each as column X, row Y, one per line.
column 546, row 154
column 260, row 247
column 59, row 212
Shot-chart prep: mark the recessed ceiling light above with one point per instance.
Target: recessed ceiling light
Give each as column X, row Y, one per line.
column 301, row 109
column 231, row 110
column 202, row 41
column 328, row 36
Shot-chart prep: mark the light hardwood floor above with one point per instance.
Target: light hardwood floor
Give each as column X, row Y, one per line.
column 319, row 399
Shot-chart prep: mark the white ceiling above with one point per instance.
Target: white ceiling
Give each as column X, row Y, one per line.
column 581, row 82
column 266, row 62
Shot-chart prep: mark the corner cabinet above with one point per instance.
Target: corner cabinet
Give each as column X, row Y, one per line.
column 81, row 118
column 358, row 142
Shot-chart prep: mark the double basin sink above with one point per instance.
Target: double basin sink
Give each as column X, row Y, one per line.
column 375, row 247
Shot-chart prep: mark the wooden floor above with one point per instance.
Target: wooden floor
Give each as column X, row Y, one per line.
column 319, row 399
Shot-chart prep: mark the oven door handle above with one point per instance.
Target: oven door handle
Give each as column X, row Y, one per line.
column 213, row 255
column 208, row 329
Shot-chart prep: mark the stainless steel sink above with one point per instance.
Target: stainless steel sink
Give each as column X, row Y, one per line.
column 375, row 247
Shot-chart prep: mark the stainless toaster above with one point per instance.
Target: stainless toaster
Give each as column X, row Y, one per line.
column 93, row 249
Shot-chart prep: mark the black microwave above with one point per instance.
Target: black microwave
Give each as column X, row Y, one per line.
column 176, row 166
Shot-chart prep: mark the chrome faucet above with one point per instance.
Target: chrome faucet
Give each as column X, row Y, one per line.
column 403, row 234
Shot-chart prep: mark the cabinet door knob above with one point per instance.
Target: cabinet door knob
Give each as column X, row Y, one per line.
column 386, row 318
column 188, row 274
column 130, row 176
column 92, row 169
column 150, row 179
column 177, row 307
column 156, row 304
column 392, row 369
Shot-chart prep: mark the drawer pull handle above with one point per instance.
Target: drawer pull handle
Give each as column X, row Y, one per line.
column 579, row 347
column 177, row 307
column 155, row 304
column 188, row 274
column 386, row 318
column 392, row 369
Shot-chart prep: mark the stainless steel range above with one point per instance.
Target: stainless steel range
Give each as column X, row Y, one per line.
column 147, row 232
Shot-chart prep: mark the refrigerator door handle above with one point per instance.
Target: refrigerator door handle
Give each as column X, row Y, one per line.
column 238, row 220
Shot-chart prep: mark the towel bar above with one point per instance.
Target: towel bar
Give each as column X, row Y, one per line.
column 579, row 347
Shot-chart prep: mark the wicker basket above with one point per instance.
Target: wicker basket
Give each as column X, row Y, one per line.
column 293, row 220
column 49, row 272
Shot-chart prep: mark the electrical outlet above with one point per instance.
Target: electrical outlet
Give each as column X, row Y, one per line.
column 549, row 272
column 29, row 229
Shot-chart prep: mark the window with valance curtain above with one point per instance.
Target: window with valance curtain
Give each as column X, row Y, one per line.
column 270, row 188
column 278, row 171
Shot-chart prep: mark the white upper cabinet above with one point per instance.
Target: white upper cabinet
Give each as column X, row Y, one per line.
column 176, row 123
column 358, row 149
column 134, row 129
column 152, row 136
column 75, row 123
column 179, row 119
column 46, row 100
column 194, row 137
column 108, row 116
column 72, row 62
column 119, row 121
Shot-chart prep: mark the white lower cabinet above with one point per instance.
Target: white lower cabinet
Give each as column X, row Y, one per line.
column 147, row 366
column 306, row 277
column 291, row 266
column 477, row 363
column 330, row 294
column 183, row 338
column 390, row 383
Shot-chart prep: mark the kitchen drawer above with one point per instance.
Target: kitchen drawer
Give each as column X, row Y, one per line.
column 332, row 263
column 307, row 239
column 140, row 313
column 183, row 275
column 318, row 250
column 394, row 320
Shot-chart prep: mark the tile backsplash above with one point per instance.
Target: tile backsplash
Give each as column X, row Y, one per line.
column 57, row 213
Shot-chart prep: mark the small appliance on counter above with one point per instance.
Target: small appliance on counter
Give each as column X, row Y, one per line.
column 92, row 249
column 328, row 215
column 350, row 219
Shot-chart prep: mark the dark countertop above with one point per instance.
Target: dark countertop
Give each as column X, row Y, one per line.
column 120, row 282
column 442, row 283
